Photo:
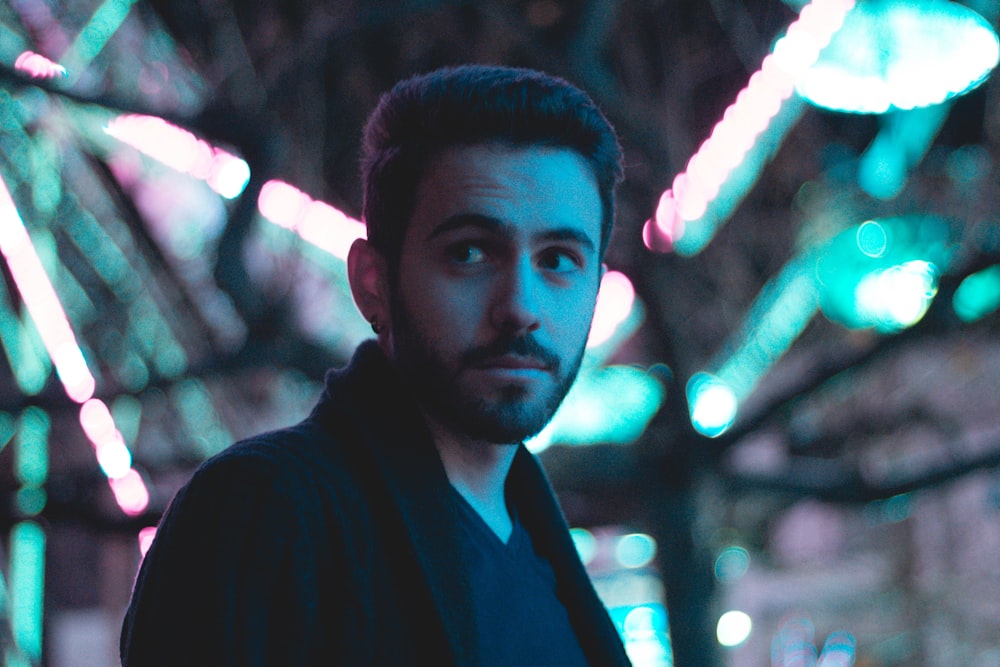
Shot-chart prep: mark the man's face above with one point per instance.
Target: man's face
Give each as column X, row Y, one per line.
column 497, row 282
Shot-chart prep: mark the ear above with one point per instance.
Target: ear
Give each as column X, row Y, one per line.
column 368, row 275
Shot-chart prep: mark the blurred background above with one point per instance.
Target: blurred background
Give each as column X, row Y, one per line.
column 787, row 424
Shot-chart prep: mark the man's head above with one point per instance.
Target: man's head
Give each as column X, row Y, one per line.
column 474, row 104
column 489, row 210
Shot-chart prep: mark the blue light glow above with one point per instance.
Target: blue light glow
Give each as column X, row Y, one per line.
column 635, row 550
column 712, row 404
column 732, row 564
column 978, row 295
column 900, row 54
column 886, row 291
column 27, row 588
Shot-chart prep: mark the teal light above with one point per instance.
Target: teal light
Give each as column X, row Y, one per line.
column 196, row 407
column 606, row 405
column 27, row 588
column 978, row 295
column 712, row 404
column 883, row 274
column 901, row 54
column 31, row 456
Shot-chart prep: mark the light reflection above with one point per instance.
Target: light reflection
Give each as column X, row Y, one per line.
column 872, row 239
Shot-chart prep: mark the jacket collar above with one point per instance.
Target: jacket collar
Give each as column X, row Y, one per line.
column 369, row 394
column 398, row 454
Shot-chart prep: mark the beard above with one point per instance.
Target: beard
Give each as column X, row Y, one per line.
column 510, row 417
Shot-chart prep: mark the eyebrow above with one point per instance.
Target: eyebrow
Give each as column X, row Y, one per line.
column 497, row 227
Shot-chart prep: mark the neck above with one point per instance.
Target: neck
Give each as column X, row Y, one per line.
column 478, row 471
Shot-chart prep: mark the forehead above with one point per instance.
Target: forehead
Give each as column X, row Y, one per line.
column 529, row 189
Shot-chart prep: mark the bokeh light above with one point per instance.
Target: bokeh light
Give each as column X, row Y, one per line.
column 899, row 54
column 978, row 294
column 755, row 108
column 182, row 151
column 734, row 628
column 635, row 550
column 731, row 564
column 712, row 404
column 315, row 221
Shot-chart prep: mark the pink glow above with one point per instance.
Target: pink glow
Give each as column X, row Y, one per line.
column 743, row 121
column 182, row 151
column 50, row 319
column 40, row 298
column 146, row 536
column 109, row 444
column 130, row 493
column 316, row 222
column 614, row 303
column 38, row 66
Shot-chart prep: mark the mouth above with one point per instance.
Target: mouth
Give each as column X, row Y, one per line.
column 513, row 362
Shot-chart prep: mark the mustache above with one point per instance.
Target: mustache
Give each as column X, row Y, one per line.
column 522, row 346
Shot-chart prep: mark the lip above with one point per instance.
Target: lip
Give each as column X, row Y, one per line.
column 513, row 362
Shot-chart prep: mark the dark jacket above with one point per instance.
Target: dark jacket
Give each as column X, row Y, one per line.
column 334, row 542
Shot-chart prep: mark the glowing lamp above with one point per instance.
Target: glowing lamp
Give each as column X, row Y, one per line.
column 900, row 54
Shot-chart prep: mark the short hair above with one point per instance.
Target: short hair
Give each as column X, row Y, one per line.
column 472, row 104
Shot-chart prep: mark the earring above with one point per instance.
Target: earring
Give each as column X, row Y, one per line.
column 376, row 327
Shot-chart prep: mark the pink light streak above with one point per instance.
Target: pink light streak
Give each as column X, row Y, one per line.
column 315, row 221
column 615, row 299
column 182, row 151
column 38, row 66
column 742, row 123
column 43, row 304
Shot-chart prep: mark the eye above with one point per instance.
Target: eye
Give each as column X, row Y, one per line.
column 559, row 260
column 466, row 253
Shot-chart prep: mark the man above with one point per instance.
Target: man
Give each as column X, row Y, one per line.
column 403, row 522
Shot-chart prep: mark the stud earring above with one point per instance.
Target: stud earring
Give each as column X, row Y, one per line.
column 376, row 327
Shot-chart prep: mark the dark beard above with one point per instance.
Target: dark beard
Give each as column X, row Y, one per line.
column 509, row 419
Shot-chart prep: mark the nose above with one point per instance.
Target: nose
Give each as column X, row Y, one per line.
column 515, row 307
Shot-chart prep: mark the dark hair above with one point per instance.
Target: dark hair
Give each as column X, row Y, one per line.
column 472, row 104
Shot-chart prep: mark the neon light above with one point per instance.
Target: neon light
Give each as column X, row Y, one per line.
column 96, row 33
column 182, row 151
column 41, row 301
column 38, row 66
column 27, row 588
column 50, row 320
column 899, row 54
column 614, row 303
column 109, row 444
column 756, row 106
column 314, row 221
